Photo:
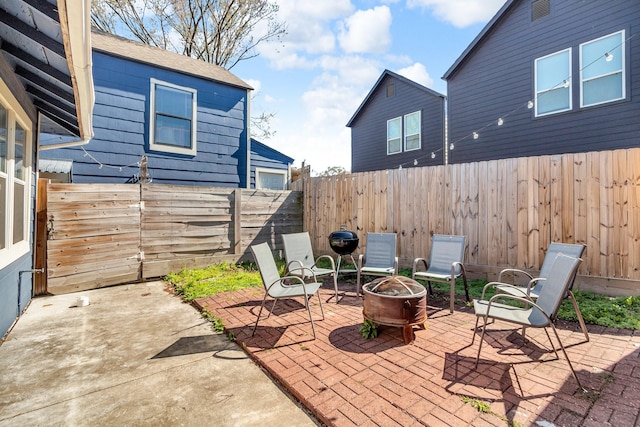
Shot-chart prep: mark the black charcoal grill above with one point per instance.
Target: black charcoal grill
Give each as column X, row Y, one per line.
column 344, row 243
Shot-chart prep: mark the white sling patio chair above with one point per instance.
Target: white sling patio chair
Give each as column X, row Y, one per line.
column 539, row 314
column 535, row 284
column 379, row 258
column 445, row 264
column 278, row 287
column 301, row 262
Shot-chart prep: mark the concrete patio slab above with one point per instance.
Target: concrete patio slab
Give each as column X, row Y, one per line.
column 346, row 380
column 136, row 355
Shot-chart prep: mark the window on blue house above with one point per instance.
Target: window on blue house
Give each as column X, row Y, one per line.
column 272, row 179
column 173, row 118
column 553, row 83
column 412, row 131
column 15, row 172
column 602, row 76
column 394, row 135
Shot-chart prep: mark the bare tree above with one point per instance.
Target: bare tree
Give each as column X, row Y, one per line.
column 221, row 32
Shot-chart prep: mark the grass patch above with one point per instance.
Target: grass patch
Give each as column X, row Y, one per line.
column 199, row 283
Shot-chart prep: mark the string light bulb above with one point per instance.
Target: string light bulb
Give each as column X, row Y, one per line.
column 565, row 83
column 530, row 104
column 415, row 162
column 500, row 121
column 400, row 167
column 475, row 135
column 433, row 155
column 451, row 147
column 608, row 57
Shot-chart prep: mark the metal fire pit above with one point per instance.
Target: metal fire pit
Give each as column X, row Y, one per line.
column 396, row 301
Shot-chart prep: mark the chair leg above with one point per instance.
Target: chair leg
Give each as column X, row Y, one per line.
column 565, row 355
column 466, row 286
column 306, row 303
column 484, row 329
column 259, row 314
column 273, row 307
column 475, row 330
column 320, row 302
column 579, row 316
column 452, row 294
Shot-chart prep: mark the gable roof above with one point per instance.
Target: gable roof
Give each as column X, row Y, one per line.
column 260, row 148
column 44, row 43
column 480, row 37
column 384, row 74
column 139, row 52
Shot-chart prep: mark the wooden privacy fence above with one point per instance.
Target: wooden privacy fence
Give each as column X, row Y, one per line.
column 106, row 234
column 510, row 210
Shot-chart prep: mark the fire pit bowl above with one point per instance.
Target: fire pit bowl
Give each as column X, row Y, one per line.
column 396, row 301
column 343, row 242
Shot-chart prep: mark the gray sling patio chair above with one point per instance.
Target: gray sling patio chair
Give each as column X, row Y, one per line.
column 278, row 287
column 379, row 258
column 535, row 284
column 301, row 262
column 539, row 314
column 445, row 264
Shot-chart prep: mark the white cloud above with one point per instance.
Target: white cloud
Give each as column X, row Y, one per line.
column 460, row 13
column 418, row 73
column 367, row 31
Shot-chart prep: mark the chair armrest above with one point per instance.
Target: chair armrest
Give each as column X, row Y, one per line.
column 462, row 270
column 289, row 269
column 333, row 264
column 415, row 266
column 360, row 261
column 514, row 272
column 395, row 266
column 494, row 284
column 523, row 300
column 533, row 282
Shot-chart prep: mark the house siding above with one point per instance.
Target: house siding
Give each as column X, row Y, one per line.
column 266, row 157
column 121, row 127
column 497, row 80
column 369, row 129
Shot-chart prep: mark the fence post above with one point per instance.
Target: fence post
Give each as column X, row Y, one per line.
column 237, row 221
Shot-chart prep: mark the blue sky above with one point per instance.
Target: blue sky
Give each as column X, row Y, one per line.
column 335, row 50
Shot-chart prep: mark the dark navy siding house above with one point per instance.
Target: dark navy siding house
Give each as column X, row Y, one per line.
column 399, row 123
column 187, row 118
column 548, row 77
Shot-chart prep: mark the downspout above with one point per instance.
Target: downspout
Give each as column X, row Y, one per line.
column 248, row 123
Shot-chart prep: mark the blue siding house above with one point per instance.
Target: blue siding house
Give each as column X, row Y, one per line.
column 45, row 84
column 547, row 77
column 187, row 119
column 270, row 169
column 399, row 123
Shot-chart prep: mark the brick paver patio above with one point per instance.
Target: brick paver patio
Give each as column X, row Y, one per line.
column 346, row 380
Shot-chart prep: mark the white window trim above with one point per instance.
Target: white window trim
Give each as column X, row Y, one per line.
column 152, row 120
column 623, row 71
column 282, row 172
column 13, row 251
column 537, row 94
column 405, row 135
column 401, row 139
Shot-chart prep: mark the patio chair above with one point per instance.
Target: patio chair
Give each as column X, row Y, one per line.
column 278, row 287
column 445, row 264
column 539, row 314
column 301, row 262
column 379, row 258
column 535, row 284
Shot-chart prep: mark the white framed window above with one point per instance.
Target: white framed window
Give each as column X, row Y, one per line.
column 602, row 70
column 173, row 123
column 271, row 179
column 394, row 135
column 553, row 83
column 15, row 174
column 412, row 134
